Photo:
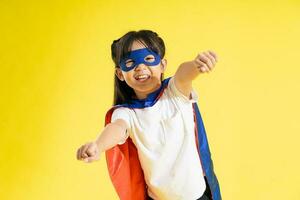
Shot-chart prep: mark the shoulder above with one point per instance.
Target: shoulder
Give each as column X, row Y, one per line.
column 121, row 114
column 121, row 111
column 115, row 112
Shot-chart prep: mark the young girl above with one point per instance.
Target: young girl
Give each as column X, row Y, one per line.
column 154, row 138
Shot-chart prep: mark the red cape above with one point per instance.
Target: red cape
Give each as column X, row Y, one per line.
column 125, row 169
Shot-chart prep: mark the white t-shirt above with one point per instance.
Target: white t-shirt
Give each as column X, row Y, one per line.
column 164, row 135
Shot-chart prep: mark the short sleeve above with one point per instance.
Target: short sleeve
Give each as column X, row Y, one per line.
column 122, row 113
column 174, row 91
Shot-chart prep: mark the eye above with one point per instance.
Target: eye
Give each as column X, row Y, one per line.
column 149, row 58
column 129, row 63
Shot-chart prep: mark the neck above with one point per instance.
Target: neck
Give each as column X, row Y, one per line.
column 143, row 95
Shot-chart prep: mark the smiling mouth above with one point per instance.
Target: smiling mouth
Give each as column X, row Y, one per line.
column 142, row 78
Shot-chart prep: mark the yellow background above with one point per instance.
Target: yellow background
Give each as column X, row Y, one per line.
column 57, row 84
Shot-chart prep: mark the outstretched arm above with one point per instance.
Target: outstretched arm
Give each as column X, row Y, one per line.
column 188, row 71
column 112, row 134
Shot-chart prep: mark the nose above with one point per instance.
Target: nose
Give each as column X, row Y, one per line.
column 140, row 66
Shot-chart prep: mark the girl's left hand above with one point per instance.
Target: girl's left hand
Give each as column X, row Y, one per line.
column 206, row 61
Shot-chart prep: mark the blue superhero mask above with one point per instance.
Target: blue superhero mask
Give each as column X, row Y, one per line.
column 136, row 57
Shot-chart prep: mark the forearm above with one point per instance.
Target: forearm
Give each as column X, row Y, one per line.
column 187, row 72
column 111, row 135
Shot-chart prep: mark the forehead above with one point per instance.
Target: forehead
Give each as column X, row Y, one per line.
column 137, row 45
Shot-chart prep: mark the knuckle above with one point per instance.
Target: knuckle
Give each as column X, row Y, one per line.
column 204, row 58
column 89, row 151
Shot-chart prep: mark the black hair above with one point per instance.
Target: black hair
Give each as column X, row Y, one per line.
column 122, row 46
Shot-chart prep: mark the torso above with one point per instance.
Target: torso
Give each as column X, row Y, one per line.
column 165, row 139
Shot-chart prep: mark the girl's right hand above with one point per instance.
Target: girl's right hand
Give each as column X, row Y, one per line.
column 88, row 152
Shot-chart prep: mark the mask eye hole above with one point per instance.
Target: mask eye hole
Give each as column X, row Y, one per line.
column 129, row 63
column 149, row 58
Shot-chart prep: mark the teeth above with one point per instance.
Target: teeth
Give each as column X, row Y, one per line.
column 142, row 76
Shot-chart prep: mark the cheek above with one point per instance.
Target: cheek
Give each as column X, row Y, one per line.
column 128, row 76
column 157, row 70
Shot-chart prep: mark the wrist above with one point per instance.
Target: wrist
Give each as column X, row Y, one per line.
column 189, row 64
column 99, row 145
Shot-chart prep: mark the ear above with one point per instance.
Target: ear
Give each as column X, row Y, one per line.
column 119, row 74
column 163, row 65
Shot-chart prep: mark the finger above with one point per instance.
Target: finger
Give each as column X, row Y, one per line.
column 83, row 153
column 80, row 152
column 206, row 60
column 77, row 156
column 91, row 159
column 202, row 66
column 90, row 151
column 93, row 150
column 211, row 58
column 202, row 69
column 214, row 55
